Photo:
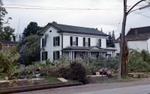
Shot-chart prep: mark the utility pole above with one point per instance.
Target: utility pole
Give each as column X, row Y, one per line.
column 1, row 3
column 123, row 43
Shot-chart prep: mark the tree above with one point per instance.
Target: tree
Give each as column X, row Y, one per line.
column 5, row 32
column 3, row 12
column 110, row 40
column 30, row 44
column 30, row 50
column 31, row 29
column 123, row 44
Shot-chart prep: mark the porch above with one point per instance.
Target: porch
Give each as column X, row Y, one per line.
column 77, row 53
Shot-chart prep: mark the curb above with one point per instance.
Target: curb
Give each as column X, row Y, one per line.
column 37, row 87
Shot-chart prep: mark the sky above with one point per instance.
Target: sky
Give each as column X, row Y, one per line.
column 101, row 14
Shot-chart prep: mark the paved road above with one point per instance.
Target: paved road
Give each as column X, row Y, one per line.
column 138, row 87
column 143, row 89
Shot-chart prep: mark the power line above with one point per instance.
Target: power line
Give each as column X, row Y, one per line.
column 55, row 8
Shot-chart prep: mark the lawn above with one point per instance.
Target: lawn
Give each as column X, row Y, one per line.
column 52, row 80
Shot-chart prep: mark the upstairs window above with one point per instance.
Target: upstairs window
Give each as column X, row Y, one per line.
column 99, row 42
column 56, row 55
column 43, row 42
column 71, row 41
column 84, row 44
column 56, row 41
column 76, row 41
column 89, row 42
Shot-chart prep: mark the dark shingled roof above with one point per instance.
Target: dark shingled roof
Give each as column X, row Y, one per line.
column 75, row 29
column 92, row 49
column 136, row 34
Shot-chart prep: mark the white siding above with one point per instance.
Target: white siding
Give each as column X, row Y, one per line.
column 148, row 43
column 117, row 46
column 49, row 45
column 66, row 41
column 138, row 45
column 103, row 43
column 80, row 41
column 94, row 40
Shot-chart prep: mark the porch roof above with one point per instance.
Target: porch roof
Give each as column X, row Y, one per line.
column 87, row 49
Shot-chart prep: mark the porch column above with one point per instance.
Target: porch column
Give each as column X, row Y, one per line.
column 70, row 55
column 73, row 55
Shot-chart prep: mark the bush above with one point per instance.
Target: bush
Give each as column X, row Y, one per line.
column 78, row 72
column 138, row 61
column 74, row 71
column 8, row 62
column 95, row 65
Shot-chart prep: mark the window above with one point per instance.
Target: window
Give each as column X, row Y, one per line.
column 56, row 55
column 50, row 31
column 99, row 42
column 89, row 42
column 56, row 41
column 44, row 55
column 71, row 41
column 83, row 41
column 76, row 41
column 43, row 42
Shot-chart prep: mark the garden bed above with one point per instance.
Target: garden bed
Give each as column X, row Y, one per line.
column 22, row 85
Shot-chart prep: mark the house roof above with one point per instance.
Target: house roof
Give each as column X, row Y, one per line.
column 74, row 29
column 8, row 42
column 91, row 49
column 136, row 34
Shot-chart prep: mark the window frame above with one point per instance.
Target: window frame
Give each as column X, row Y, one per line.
column 44, row 55
column 56, row 55
column 71, row 41
column 89, row 42
column 84, row 42
column 77, row 41
column 56, row 41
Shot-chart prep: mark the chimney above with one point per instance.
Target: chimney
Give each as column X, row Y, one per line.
column 54, row 22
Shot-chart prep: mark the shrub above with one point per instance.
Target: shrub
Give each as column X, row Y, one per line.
column 138, row 61
column 74, row 71
column 64, row 72
column 78, row 72
column 9, row 62
column 95, row 65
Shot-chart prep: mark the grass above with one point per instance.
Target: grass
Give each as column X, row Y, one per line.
column 52, row 80
column 111, row 80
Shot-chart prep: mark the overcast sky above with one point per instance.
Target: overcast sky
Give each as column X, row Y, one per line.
column 107, row 14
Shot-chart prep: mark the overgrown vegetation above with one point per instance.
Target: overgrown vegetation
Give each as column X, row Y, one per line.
column 29, row 46
column 139, row 61
column 8, row 63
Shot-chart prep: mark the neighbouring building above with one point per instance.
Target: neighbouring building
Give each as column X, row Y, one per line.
column 73, row 42
column 5, row 45
column 137, row 39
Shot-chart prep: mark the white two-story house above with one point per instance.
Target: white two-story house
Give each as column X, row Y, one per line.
column 72, row 42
